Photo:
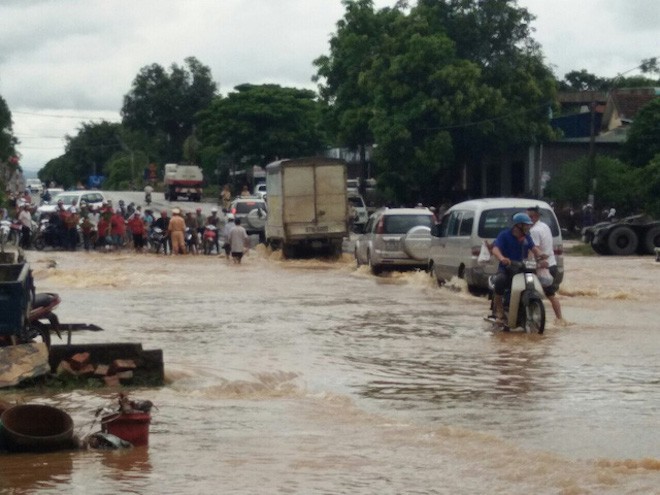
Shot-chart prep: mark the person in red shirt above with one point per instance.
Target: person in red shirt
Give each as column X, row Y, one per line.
column 117, row 229
column 138, row 230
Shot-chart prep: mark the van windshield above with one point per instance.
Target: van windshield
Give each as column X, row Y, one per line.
column 493, row 221
column 401, row 224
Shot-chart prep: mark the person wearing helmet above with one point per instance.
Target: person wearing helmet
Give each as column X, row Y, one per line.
column 214, row 220
column 511, row 244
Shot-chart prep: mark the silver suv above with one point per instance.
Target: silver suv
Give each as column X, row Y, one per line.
column 395, row 238
column 253, row 213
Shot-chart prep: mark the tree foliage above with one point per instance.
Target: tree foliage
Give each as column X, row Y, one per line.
column 255, row 124
column 7, row 140
column 436, row 87
column 643, row 140
column 85, row 154
column 617, row 184
column 163, row 104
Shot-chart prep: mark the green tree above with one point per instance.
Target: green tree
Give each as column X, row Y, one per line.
column 643, row 140
column 163, row 105
column 649, row 180
column 255, row 124
column 618, row 184
column 341, row 73
column 439, row 87
column 8, row 141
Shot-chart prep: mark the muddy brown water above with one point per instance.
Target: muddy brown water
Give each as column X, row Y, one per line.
column 314, row 376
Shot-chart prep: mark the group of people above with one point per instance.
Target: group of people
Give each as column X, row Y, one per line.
column 114, row 228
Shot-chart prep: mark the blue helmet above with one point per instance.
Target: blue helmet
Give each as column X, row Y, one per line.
column 522, row 218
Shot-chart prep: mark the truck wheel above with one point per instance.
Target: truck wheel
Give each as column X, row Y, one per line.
column 622, row 241
column 288, row 251
column 599, row 247
column 652, row 240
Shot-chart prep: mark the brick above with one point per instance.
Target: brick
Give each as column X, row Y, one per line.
column 87, row 370
column 102, row 370
column 65, row 368
column 80, row 360
column 111, row 381
column 125, row 375
column 123, row 365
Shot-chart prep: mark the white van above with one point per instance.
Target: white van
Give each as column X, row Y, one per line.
column 457, row 239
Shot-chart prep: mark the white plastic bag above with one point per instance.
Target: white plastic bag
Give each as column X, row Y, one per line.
column 484, row 253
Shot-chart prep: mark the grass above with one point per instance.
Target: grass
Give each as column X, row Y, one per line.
column 580, row 250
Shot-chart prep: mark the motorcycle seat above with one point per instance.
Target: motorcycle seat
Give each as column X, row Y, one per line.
column 43, row 299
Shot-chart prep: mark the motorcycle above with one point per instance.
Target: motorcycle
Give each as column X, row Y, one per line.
column 157, row 239
column 190, row 237
column 523, row 300
column 147, row 198
column 209, row 237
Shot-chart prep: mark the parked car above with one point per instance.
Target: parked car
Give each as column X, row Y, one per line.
column 260, row 190
column 94, row 198
column 457, row 239
column 358, row 210
column 395, row 238
column 253, row 212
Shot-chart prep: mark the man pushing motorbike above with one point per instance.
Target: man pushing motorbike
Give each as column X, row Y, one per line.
column 511, row 244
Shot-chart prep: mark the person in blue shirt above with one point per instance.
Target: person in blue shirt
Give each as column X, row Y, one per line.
column 511, row 244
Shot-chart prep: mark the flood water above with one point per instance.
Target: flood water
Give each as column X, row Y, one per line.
column 313, row 376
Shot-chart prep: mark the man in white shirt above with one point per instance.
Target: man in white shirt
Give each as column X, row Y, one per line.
column 25, row 218
column 238, row 241
column 542, row 237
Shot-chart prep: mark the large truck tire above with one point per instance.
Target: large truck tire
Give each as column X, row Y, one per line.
column 622, row 241
column 652, row 240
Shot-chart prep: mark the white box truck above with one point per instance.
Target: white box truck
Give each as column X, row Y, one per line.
column 307, row 205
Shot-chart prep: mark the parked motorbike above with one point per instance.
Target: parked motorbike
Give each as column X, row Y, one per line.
column 523, row 300
column 190, row 238
column 210, row 235
column 157, row 239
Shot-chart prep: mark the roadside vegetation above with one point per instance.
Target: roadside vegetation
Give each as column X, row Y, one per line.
column 430, row 88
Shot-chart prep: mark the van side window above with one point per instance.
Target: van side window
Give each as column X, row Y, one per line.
column 441, row 228
column 466, row 223
column 454, row 223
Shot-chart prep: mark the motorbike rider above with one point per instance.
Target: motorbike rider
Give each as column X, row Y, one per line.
column 542, row 237
column 163, row 222
column 214, row 220
column 25, row 219
column 147, row 193
column 511, row 244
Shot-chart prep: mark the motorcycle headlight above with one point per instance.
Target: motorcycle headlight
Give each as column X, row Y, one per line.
column 529, row 264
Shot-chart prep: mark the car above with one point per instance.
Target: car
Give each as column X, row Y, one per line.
column 458, row 237
column 35, row 186
column 253, row 212
column 357, row 209
column 395, row 238
column 260, row 190
column 92, row 198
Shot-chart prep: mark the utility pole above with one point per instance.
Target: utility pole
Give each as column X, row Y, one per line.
column 591, row 164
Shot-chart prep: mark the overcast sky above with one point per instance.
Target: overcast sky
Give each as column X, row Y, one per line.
column 63, row 62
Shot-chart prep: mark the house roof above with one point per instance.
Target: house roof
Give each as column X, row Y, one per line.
column 628, row 101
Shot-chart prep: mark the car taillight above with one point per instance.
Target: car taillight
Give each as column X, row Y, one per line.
column 475, row 250
column 233, row 211
column 559, row 250
column 380, row 227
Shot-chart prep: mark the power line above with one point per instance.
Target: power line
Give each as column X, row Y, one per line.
column 78, row 117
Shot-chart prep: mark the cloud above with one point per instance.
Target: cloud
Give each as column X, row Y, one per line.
column 80, row 57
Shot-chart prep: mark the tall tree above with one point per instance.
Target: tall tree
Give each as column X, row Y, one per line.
column 163, row 105
column 255, row 124
column 7, row 139
column 643, row 141
column 340, row 74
